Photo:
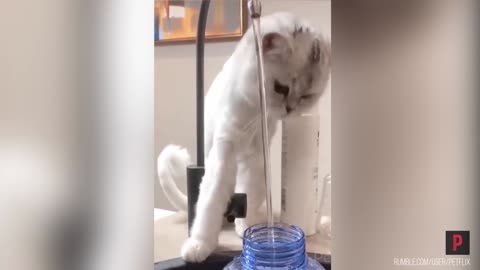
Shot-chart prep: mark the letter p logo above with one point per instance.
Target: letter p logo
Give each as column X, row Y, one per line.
column 457, row 242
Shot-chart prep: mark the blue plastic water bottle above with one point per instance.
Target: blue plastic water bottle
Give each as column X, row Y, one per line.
column 285, row 250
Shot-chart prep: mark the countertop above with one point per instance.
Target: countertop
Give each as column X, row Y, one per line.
column 170, row 231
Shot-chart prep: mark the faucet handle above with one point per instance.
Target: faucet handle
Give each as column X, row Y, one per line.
column 255, row 8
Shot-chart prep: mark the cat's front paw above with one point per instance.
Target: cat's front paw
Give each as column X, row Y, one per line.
column 196, row 250
column 241, row 226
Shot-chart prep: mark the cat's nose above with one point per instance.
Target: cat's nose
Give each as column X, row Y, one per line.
column 289, row 109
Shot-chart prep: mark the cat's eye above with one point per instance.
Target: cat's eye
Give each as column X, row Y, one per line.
column 307, row 96
column 281, row 89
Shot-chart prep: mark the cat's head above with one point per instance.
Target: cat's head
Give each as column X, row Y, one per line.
column 297, row 69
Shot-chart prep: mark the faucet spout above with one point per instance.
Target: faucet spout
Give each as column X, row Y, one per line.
column 255, row 8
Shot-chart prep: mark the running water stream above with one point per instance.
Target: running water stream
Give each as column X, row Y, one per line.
column 255, row 9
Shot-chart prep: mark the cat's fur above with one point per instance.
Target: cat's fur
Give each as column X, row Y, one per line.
column 297, row 67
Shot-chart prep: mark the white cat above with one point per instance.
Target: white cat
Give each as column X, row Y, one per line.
column 297, row 67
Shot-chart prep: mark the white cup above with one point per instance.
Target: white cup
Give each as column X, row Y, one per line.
column 300, row 185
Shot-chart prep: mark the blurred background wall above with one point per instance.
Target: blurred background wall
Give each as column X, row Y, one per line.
column 76, row 134
column 405, row 131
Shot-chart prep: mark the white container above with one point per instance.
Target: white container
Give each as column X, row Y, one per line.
column 300, row 189
column 324, row 223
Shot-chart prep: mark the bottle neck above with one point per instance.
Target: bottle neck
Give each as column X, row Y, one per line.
column 281, row 246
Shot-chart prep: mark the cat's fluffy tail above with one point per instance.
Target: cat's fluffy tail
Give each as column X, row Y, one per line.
column 171, row 167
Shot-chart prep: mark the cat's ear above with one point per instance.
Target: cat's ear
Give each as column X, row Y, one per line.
column 275, row 47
